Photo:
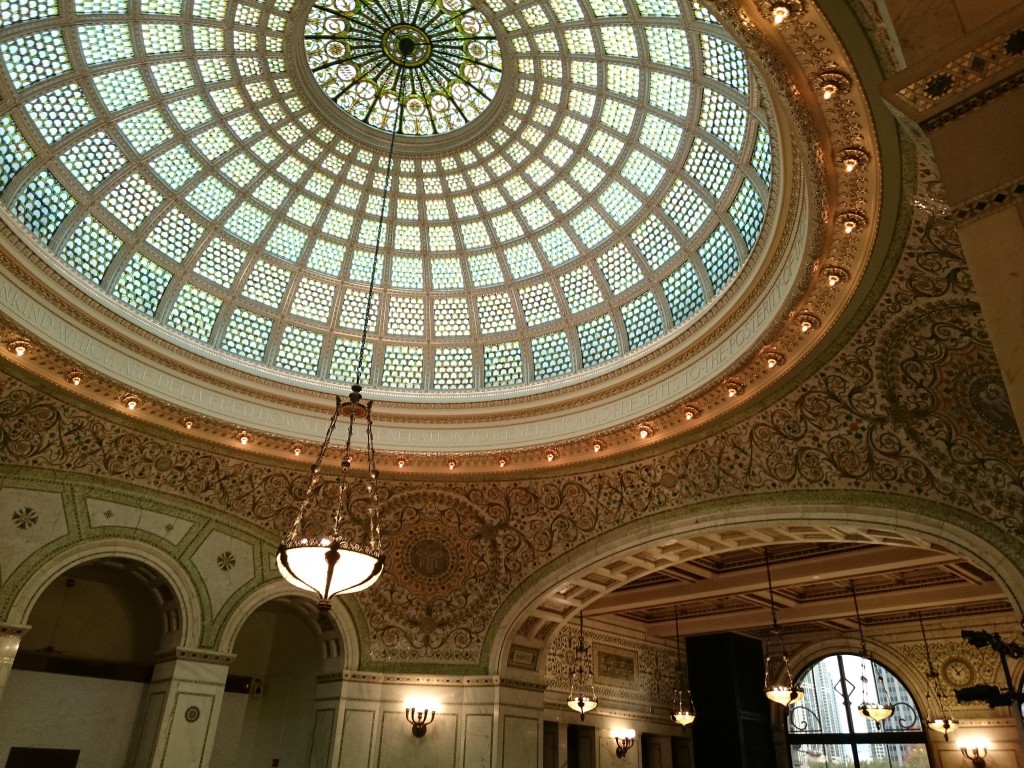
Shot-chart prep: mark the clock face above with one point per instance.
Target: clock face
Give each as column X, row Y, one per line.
column 958, row 672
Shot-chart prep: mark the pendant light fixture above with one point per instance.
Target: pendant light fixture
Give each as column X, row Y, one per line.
column 942, row 722
column 683, row 712
column 330, row 562
column 873, row 710
column 582, row 696
column 778, row 677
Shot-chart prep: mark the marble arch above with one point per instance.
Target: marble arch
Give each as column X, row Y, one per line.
column 340, row 640
column 191, row 621
column 651, row 545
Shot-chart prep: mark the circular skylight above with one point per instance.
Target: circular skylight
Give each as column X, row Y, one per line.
column 433, row 65
column 172, row 154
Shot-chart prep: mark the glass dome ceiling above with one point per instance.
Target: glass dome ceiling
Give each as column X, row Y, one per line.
column 181, row 157
column 433, row 66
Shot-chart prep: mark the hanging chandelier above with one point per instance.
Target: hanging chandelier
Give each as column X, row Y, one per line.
column 942, row 722
column 582, row 696
column 873, row 710
column 334, row 562
column 779, row 686
column 683, row 712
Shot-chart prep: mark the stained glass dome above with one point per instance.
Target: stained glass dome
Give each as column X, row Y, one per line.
column 182, row 160
column 432, row 67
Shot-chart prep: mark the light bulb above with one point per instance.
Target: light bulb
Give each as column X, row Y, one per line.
column 828, row 91
column 772, row 362
column 850, row 164
column 833, row 281
column 805, row 326
column 779, row 13
column 401, row 462
column 644, row 433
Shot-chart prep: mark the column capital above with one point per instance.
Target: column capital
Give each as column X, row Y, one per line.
column 195, row 654
column 13, row 630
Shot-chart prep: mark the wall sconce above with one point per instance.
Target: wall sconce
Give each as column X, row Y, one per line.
column 624, row 739
column 420, row 714
column 975, row 750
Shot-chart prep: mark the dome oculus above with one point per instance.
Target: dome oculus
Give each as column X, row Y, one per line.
column 440, row 57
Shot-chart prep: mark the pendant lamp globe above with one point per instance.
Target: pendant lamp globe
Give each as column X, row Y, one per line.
column 874, row 710
column 779, row 686
column 683, row 712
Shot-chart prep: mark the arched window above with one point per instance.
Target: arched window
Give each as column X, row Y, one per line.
column 826, row 728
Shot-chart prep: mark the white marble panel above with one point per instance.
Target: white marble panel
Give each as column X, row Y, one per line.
column 357, row 738
column 477, row 748
column 104, row 513
column 28, row 520
column 323, row 728
column 521, row 745
column 189, row 737
column 226, row 564
column 434, row 750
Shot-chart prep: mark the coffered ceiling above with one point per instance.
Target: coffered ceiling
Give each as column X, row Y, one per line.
column 727, row 592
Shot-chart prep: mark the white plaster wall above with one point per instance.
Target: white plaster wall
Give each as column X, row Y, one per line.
column 66, row 617
column 97, row 717
column 278, row 647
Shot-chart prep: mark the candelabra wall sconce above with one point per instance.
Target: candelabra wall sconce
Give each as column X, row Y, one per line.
column 975, row 750
column 625, row 738
column 420, row 715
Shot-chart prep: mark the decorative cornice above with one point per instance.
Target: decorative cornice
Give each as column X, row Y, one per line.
column 989, row 202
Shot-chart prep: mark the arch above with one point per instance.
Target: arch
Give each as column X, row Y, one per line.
column 192, row 619
column 557, row 591
column 804, row 656
column 829, row 714
column 339, row 616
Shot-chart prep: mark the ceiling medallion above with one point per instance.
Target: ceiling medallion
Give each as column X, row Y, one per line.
column 441, row 55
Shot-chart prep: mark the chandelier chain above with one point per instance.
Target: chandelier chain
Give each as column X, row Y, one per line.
column 385, row 194
column 314, row 478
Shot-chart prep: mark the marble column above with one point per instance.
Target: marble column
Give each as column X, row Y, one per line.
column 182, row 709
column 10, row 639
column 326, row 747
